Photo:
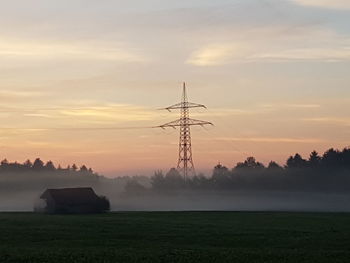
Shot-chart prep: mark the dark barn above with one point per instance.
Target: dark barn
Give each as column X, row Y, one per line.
column 72, row 201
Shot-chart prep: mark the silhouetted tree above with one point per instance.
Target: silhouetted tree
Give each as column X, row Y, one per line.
column 220, row 175
column 49, row 166
column 296, row 161
column 274, row 167
column 38, row 164
column 173, row 179
column 331, row 158
column 74, row 167
column 199, row 181
column 314, row 160
column 250, row 164
column 83, row 169
column 28, row 164
column 4, row 164
column 157, row 180
column 346, row 157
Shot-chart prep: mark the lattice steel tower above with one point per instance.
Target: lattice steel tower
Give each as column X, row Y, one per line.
column 185, row 163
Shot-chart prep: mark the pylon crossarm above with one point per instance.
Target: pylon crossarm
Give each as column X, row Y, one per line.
column 172, row 124
column 186, row 105
column 199, row 122
column 189, row 122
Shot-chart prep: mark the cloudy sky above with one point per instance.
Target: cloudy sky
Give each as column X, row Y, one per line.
column 273, row 73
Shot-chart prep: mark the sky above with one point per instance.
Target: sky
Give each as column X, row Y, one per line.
column 274, row 75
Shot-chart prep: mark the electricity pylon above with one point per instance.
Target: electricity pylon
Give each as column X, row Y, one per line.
column 185, row 162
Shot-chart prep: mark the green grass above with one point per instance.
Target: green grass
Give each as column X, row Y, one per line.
column 175, row 237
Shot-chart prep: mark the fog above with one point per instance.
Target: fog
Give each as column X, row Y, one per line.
column 25, row 200
column 320, row 183
column 235, row 201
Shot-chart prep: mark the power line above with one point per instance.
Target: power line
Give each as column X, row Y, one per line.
column 77, row 128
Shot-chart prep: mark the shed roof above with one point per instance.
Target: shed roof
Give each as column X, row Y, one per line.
column 71, row 196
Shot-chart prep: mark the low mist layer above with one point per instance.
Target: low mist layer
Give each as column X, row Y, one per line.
column 319, row 183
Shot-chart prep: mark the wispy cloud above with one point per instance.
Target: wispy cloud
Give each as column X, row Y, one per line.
column 321, row 54
column 254, row 110
column 275, row 45
column 40, row 115
column 220, row 112
column 304, row 106
column 98, row 111
column 113, row 112
column 221, row 55
column 10, row 132
column 291, row 106
column 330, row 120
column 270, row 140
column 334, row 4
column 29, row 49
column 101, row 116
column 213, row 55
column 20, row 94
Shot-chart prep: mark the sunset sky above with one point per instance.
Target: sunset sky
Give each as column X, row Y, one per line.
column 274, row 74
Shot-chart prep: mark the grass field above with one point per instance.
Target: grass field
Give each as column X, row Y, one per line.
column 175, row 237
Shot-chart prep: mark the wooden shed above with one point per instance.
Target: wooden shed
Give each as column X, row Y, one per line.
column 72, row 201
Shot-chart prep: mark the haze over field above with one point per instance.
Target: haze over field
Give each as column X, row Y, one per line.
column 318, row 183
column 273, row 73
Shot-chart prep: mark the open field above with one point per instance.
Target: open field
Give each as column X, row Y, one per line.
column 175, row 237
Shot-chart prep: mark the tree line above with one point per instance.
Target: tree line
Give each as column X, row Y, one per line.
column 37, row 176
column 327, row 172
column 39, row 166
